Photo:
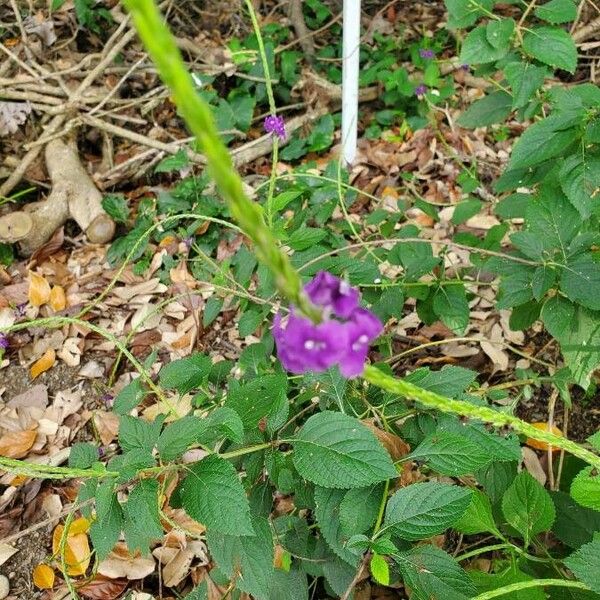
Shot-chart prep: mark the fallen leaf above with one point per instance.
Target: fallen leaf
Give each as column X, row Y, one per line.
column 39, row 289
column 177, row 568
column 539, row 445
column 45, row 362
column 16, row 444
column 58, row 299
column 120, row 563
column 36, row 395
column 103, row 588
column 107, row 426
column 43, row 577
column 396, row 446
column 77, row 548
column 6, row 552
column 533, row 465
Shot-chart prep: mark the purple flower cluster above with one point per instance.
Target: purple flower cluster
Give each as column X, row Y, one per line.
column 3, row 341
column 420, row 90
column 426, row 53
column 342, row 337
column 275, row 125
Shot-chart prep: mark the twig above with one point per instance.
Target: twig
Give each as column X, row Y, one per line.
column 357, row 576
column 304, row 37
column 587, row 31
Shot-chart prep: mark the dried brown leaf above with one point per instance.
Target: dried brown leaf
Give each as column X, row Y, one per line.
column 16, row 444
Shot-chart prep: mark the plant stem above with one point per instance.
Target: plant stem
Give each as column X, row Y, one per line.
column 482, row 413
column 532, row 583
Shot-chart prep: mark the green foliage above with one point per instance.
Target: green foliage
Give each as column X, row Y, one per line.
column 585, row 564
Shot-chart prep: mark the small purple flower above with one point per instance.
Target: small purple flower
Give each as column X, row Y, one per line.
column 342, row 338
column 108, row 399
column 3, row 341
column 465, row 67
column 333, row 294
column 20, row 310
column 426, row 53
column 275, row 125
column 420, row 90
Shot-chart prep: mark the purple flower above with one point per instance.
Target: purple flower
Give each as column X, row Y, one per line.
column 420, row 90
column 465, row 67
column 333, row 294
column 275, row 125
column 108, row 399
column 342, row 338
column 3, row 341
column 20, row 310
column 426, row 53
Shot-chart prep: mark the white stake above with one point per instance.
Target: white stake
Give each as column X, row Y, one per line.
column 350, row 70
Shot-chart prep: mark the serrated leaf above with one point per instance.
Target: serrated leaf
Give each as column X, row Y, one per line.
column 178, row 436
column 527, row 506
column 487, row 582
column 338, row 451
column 490, row 109
column 129, row 397
column 290, row 585
column 176, row 162
column 524, row 79
column 430, row 572
column 477, row 50
column 499, row 32
column 450, row 454
column 557, row 315
column 478, row 517
column 247, row 559
column 116, row 207
column 380, row 569
column 585, row 564
column 448, row 381
column 185, row 374
column 137, row 434
column 557, row 11
column 542, row 140
column 451, row 306
column 574, row 525
column 585, row 488
column 327, row 512
column 422, row 510
column 106, row 529
column 208, row 482
column 552, row 46
column 359, row 508
column 464, row 13
column 83, row 455
column 580, row 181
column 580, row 280
column 580, row 345
column 142, row 521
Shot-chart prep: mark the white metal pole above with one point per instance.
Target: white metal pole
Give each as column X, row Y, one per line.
column 350, row 70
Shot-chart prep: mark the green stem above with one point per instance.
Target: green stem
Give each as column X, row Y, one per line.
column 248, row 450
column 21, row 467
column 482, row 413
column 381, row 512
column 532, row 583
column 197, row 114
column 483, row 550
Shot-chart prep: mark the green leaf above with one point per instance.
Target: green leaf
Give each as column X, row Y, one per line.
column 487, row 582
column 464, row 13
column 543, row 140
column 585, row 564
column 185, row 374
column 129, row 397
column 499, row 32
column 198, row 593
column 106, row 529
column 585, row 488
column 321, row 136
column 574, row 525
column 247, row 559
column 580, row 280
column 130, row 464
column 142, row 521
column 416, row 258
column 306, row 237
column 448, row 381
column 450, row 454
column 465, row 210
column 176, row 162
column 338, row 451
column 524, row 316
column 359, row 508
column 527, row 506
column 580, row 181
column 203, row 491
column 554, row 220
column 580, row 345
column 524, row 79
column 224, row 422
column 552, row 46
column 496, row 478
column 212, row 308
column 136, row 433
column 178, row 436
column 557, row 11
column 429, row 573
column 422, row 510
column 490, row 109
column 327, row 513
column 557, row 315
column 263, row 397
column 116, row 207
column 83, row 455
column 451, row 306
column 250, row 320
column 380, row 569
column 242, row 106
column 291, row 585
column 477, row 50
column 478, row 518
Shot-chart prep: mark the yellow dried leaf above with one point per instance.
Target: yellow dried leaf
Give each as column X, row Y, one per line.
column 39, row 289
column 167, row 241
column 17, row 444
column 77, row 549
column 19, row 480
column 538, row 444
column 43, row 364
column 43, row 577
column 58, row 299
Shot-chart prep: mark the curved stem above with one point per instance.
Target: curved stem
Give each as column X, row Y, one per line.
column 532, row 583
